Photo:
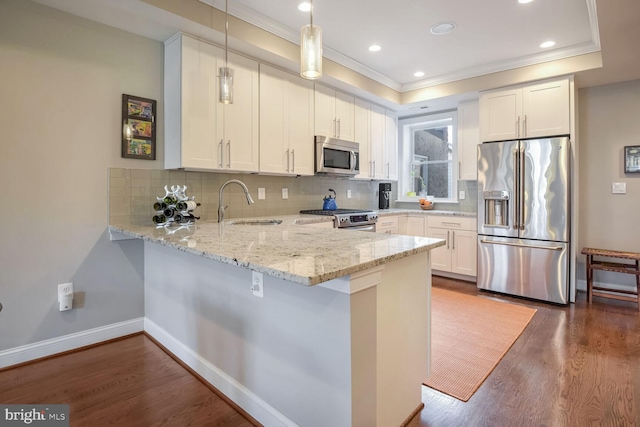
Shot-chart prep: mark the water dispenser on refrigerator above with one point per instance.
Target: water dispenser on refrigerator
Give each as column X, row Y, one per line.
column 496, row 208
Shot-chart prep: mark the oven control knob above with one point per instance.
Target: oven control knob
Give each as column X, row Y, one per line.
column 343, row 219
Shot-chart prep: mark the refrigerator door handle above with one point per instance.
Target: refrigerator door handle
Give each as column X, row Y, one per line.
column 521, row 189
column 516, row 179
column 551, row 248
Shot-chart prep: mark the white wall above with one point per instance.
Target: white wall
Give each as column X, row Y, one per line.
column 62, row 79
column 609, row 119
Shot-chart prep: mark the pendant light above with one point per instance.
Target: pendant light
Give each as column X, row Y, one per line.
column 311, row 49
column 226, row 73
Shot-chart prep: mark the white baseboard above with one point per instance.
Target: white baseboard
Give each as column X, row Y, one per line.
column 45, row 348
column 264, row 413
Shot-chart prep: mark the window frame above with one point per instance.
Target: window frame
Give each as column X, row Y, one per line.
column 406, row 127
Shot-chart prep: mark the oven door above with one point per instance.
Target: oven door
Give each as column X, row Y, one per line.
column 368, row 227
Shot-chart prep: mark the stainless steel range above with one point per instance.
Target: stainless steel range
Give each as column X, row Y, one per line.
column 349, row 219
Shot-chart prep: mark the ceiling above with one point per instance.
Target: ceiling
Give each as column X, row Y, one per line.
column 490, row 35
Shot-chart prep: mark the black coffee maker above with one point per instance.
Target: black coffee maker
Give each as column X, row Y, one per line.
column 384, row 195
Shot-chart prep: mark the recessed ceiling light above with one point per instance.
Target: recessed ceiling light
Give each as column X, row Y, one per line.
column 443, row 28
column 418, row 74
column 305, row 6
column 524, row 1
column 374, row 48
column 548, row 44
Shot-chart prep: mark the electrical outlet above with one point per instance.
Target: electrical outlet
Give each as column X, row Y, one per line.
column 257, row 284
column 65, row 296
column 261, row 194
column 348, row 194
column 285, row 193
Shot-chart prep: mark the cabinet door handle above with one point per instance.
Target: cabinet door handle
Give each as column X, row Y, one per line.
column 221, row 154
column 388, row 170
column 447, row 239
column 229, row 153
column 524, row 126
column 459, row 168
column 374, row 169
column 287, row 160
column 334, row 128
column 453, row 240
column 518, row 127
column 338, row 128
column 293, row 160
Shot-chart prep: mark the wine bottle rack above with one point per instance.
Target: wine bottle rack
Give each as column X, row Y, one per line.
column 175, row 207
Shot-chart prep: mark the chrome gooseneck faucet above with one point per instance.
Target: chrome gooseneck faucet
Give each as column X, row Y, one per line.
column 246, row 194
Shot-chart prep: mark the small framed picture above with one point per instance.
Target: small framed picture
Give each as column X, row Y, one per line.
column 138, row 127
column 632, row 159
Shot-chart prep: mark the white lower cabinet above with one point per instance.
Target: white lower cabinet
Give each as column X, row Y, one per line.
column 388, row 224
column 459, row 255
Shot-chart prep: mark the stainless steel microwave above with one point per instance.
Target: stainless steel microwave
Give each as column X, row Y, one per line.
column 336, row 157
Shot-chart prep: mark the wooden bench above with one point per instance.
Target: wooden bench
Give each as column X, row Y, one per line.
column 618, row 267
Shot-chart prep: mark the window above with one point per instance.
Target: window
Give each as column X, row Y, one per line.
column 428, row 153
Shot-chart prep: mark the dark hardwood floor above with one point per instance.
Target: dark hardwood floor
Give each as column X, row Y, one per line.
column 572, row 366
column 128, row 382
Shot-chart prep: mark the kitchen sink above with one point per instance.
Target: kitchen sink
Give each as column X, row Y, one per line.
column 256, row 222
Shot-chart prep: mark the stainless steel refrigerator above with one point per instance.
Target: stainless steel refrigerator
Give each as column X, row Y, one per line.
column 523, row 218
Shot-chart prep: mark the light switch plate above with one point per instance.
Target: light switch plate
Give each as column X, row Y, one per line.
column 619, row 188
column 462, row 195
column 348, row 194
column 261, row 194
column 285, row 193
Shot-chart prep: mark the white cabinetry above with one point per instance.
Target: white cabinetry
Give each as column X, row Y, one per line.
column 286, row 123
column 334, row 113
column 200, row 132
column 388, row 224
column 468, row 140
column 384, row 144
column 362, row 133
column 459, row 255
column 531, row 111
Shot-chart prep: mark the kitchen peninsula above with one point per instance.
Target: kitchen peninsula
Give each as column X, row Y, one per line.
column 340, row 337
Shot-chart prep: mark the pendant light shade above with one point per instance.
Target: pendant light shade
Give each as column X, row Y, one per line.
column 311, row 49
column 225, row 74
column 226, row 85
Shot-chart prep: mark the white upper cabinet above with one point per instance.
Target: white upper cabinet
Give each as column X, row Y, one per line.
column 286, row 123
column 200, row 132
column 468, row 140
column 377, row 142
column 391, row 147
column 530, row 111
column 362, row 132
column 334, row 113
column 384, row 144
column 240, row 132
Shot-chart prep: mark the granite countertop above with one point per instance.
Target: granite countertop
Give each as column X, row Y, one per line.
column 385, row 212
column 290, row 250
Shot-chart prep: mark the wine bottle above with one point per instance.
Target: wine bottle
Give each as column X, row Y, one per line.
column 169, row 212
column 187, row 205
column 180, row 218
column 159, row 206
column 170, row 200
column 159, row 219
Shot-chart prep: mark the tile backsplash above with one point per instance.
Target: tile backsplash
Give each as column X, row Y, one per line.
column 132, row 193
